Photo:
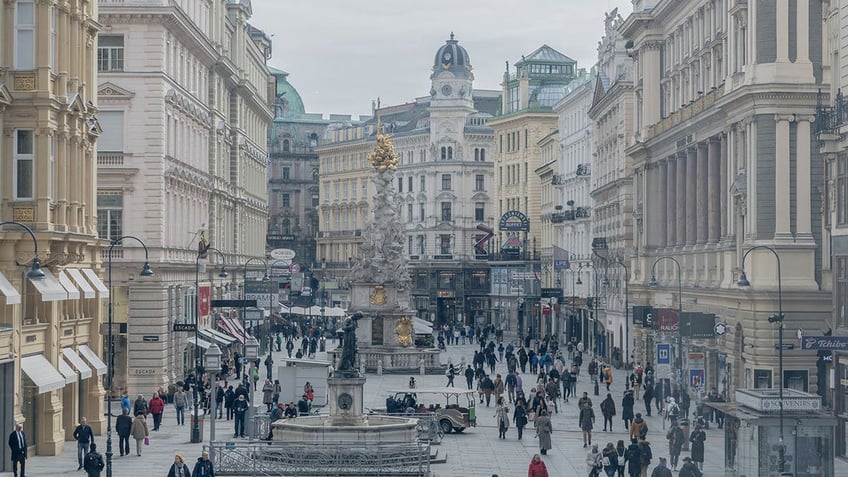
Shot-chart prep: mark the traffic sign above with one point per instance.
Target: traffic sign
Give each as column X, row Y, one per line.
column 294, row 268
column 720, row 329
column 233, row 303
column 185, row 327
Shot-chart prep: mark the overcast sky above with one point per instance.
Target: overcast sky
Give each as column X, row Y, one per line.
column 341, row 54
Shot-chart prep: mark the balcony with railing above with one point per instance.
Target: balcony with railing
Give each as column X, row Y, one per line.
column 110, row 159
column 830, row 119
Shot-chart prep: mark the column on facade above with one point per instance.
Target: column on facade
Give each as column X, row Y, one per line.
column 680, row 236
column 803, row 204
column 781, row 178
column 723, row 186
column 670, row 165
column 802, row 32
column 660, row 178
column 701, row 203
column 691, row 179
column 713, row 190
column 782, row 35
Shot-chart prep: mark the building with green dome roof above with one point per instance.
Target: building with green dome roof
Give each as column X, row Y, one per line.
column 293, row 171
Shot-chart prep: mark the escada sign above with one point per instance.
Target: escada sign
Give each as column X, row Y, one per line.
column 825, row 342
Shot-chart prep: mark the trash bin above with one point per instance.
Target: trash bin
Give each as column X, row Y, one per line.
column 196, row 432
column 684, row 424
column 472, row 414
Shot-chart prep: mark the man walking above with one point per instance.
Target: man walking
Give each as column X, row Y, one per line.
column 93, row 463
column 18, row 446
column 676, row 438
column 123, row 426
column 84, row 437
column 240, row 410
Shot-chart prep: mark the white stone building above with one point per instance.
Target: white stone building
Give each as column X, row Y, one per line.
column 184, row 97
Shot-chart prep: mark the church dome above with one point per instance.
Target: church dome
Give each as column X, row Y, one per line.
column 452, row 57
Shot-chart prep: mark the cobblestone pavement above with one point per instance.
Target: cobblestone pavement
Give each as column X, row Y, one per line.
column 475, row 453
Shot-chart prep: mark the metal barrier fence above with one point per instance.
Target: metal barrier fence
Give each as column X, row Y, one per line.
column 261, row 426
column 427, row 427
column 313, row 460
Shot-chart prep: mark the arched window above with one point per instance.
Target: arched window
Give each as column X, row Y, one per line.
column 286, row 145
column 444, row 153
column 313, row 140
column 450, row 153
column 476, row 154
column 286, row 227
column 482, row 155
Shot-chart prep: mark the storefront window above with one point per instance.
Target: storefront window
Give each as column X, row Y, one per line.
column 447, row 280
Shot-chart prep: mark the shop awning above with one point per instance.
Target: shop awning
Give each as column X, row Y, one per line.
column 68, row 285
column 102, row 291
column 13, row 297
column 68, row 372
column 233, row 328
column 77, row 362
column 93, row 359
column 42, row 373
column 216, row 337
column 48, row 287
column 200, row 343
column 76, row 275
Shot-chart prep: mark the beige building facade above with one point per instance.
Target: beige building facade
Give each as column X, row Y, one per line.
column 186, row 102
column 723, row 161
column 50, row 347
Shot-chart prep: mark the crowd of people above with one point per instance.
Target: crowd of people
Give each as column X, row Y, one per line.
column 542, row 378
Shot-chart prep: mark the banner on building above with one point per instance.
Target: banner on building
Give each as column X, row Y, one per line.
column 643, row 315
column 204, row 293
column 666, row 320
column 697, row 325
column 561, row 261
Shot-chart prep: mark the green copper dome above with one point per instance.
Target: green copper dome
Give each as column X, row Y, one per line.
column 287, row 96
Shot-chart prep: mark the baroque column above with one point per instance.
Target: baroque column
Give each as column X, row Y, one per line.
column 680, row 236
column 661, row 178
column 713, row 190
column 803, row 201
column 691, row 195
column 723, row 185
column 782, row 205
column 670, row 201
column 701, row 203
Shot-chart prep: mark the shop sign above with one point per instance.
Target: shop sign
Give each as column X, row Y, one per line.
column 514, row 221
column 143, row 371
column 697, row 325
column 642, row 315
column 666, row 320
column 445, row 294
column 839, row 343
column 551, row 292
column 149, row 338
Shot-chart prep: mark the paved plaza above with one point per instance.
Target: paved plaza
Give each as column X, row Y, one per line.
column 475, row 453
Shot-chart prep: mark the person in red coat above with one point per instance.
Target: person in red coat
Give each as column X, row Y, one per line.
column 537, row 467
column 156, row 407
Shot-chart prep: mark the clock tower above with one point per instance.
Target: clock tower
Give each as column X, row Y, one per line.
column 451, row 99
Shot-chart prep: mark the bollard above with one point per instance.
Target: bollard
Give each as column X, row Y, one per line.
column 597, row 388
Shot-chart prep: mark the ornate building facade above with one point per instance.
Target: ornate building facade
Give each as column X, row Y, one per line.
column 723, row 160
column 183, row 160
column 50, row 345
column 444, row 178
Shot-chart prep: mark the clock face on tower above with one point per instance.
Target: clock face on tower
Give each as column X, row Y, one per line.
column 447, row 90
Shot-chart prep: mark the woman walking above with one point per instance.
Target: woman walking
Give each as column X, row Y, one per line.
column 697, row 439
column 502, row 418
column 620, row 452
column 609, row 459
column 593, row 461
column 537, row 467
column 139, row 431
column 179, row 468
column 587, row 421
column 519, row 417
column 608, row 410
column 627, row 403
column 544, row 429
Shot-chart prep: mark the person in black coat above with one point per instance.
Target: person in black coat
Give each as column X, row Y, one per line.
column 93, row 463
column 627, row 403
column 123, row 426
column 18, row 446
column 469, row 376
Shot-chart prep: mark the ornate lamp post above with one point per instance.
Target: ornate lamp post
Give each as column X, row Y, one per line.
column 251, row 345
column 35, row 271
column 145, row 272
column 196, row 434
column 778, row 318
column 212, row 361
column 594, row 307
column 606, row 282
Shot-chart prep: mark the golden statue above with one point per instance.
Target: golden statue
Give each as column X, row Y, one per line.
column 404, row 331
column 383, row 158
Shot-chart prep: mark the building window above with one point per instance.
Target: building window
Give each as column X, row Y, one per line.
column 446, row 211
column 112, row 137
column 423, row 186
column 421, row 213
column 840, row 299
column 313, row 140
column 110, row 53
column 409, row 212
column 479, row 211
column 286, row 145
column 445, row 249
column 110, row 210
column 314, row 201
column 52, row 172
column 444, row 153
column 842, row 190
column 286, row 200
column 479, row 182
column 422, row 244
column 409, row 245
column 53, row 38
column 364, row 186
column 482, row 155
column 24, row 160
column 286, row 173
column 446, row 182
column 24, row 35
column 400, row 184
column 409, row 183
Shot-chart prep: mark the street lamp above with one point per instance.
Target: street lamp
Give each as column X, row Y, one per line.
column 251, row 345
column 212, row 360
column 35, row 271
column 196, row 433
column 594, row 307
column 653, row 283
column 778, row 318
column 145, row 272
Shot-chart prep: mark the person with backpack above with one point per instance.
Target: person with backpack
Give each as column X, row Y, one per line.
column 510, row 385
column 450, row 373
column 93, row 462
column 676, row 438
column 638, row 428
column 689, row 469
column 608, row 377
column 661, row 470
column 631, row 456
column 608, row 410
column 645, row 456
